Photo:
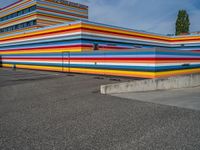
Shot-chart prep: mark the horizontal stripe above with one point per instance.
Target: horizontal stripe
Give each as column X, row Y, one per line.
column 112, row 72
column 89, row 71
column 103, row 29
column 69, row 61
column 108, row 66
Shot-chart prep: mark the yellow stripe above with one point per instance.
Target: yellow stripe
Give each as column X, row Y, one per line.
column 35, row 67
column 89, row 71
column 44, row 51
column 114, row 72
column 111, row 72
column 176, row 72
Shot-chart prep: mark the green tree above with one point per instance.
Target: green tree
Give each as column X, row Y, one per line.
column 182, row 22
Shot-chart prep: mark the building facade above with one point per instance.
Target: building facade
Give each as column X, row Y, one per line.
column 121, row 52
column 30, row 14
column 94, row 48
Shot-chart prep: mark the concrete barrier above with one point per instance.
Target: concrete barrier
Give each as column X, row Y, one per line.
column 191, row 80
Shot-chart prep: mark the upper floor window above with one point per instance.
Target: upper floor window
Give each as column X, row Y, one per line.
column 19, row 26
column 18, row 13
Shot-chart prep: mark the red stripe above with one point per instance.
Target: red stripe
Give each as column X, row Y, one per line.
column 53, row 47
column 136, row 59
column 67, row 46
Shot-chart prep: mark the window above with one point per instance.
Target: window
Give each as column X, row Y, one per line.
column 34, row 22
column 21, row 12
column 15, row 14
column 19, row 26
column 25, row 25
column 28, row 23
column 26, row 11
column 33, row 8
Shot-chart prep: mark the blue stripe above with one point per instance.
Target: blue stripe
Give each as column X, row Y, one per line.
column 141, row 68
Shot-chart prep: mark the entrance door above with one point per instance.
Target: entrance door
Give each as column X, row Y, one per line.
column 65, row 62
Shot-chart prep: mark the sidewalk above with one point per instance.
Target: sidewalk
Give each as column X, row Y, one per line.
column 184, row 98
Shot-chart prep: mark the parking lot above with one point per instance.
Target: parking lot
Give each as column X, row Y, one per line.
column 56, row 111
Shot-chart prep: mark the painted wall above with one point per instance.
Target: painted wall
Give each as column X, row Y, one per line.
column 144, row 63
column 70, row 48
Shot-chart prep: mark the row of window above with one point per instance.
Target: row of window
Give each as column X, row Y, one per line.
column 19, row 13
column 19, row 26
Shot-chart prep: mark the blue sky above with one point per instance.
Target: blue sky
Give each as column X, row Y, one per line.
column 150, row 15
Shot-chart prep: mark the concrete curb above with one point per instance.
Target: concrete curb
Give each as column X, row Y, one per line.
column 191, row 80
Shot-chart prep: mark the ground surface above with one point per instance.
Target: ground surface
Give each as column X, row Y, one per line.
column 185, row 97
column 54, row 111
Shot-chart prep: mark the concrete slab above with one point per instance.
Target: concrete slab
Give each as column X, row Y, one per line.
column 184, row 98
column 176, row 82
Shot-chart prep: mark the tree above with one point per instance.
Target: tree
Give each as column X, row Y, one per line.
column 182, row 22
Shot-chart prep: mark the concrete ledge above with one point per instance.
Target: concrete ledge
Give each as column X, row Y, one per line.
column 191, row 80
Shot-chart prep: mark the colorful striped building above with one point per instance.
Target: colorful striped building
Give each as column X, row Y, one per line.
column 88, row 47
column 30, row 14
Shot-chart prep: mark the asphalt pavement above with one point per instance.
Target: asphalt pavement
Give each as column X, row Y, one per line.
column 59, row 111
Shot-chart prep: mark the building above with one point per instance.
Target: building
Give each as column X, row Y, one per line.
column 30, row 14
column 94, row 48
